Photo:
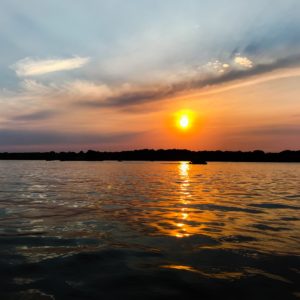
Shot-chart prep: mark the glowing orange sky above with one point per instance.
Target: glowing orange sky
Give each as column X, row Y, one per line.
column 77, row 80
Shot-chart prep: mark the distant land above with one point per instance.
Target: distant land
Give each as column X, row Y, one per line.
column 158, row 155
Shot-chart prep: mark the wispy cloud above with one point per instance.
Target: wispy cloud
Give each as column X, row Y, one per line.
column 35, row 67
column 84, row 93
column 257, row 79
column 39, row 99
column 274, row 129
column 249, row 74
column 35, row 116
column 13, row 137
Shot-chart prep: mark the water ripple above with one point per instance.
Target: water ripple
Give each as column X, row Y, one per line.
column 172, row 228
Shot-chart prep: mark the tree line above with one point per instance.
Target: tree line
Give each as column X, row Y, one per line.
column 158, row 155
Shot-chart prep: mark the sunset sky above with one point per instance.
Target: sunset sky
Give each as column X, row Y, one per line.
column 117, row 74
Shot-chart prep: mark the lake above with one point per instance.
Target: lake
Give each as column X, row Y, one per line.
column 149, row 230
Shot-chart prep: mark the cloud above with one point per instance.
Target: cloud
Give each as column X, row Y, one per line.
column 34, row 67
column 83, row 93
column 87, row 89
column 274, row 130
column 14, row 137
column 35, row 116
column 135, row 95
column 129, row 95
column 259, row 78
column 243, row 61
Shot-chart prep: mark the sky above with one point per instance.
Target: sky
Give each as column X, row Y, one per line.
column 117, row 74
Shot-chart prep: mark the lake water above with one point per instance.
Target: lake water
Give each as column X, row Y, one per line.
column 149, row 230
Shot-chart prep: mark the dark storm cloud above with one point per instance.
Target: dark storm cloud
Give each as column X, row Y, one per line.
column 11, row 137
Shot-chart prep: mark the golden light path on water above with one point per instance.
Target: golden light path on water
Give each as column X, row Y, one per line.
column 250, row 206
column 185, row 196
column 225, row 207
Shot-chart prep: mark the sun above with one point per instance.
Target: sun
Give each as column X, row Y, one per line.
column 184, row 122
column 184, row 119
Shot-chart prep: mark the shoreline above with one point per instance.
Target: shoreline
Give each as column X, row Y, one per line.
column 158, row 155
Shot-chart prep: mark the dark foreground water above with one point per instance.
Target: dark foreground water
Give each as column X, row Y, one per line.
column 126, row 230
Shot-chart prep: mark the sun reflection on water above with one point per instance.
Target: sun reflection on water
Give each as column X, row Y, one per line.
column 221, row 205
column 176, row 220
column 185, row 195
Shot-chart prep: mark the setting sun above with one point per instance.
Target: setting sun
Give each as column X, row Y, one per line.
column 184, row 121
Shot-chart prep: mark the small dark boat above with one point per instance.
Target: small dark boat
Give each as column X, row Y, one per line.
column 198, row 162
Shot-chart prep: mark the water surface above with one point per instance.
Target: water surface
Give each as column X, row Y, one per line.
column 153, row 230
